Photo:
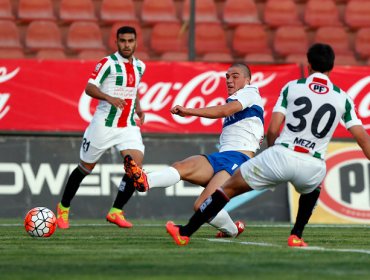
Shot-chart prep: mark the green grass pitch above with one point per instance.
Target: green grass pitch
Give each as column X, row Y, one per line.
column 93, row 249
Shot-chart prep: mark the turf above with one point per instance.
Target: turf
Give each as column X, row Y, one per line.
column 92, row 249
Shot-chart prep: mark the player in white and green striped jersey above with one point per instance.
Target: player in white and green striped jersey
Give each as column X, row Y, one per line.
column 114, row 82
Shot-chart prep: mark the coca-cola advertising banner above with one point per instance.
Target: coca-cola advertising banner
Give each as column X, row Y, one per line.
column 48, row 96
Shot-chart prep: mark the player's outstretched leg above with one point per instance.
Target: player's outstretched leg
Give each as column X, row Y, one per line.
column 135, row 173
column 239, row 225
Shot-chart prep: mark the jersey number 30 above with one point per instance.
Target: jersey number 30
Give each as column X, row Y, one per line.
column 302, row 112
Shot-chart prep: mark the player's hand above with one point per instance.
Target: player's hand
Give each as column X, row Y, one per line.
column 141, row 116
column 116, row 102
column 179, row 110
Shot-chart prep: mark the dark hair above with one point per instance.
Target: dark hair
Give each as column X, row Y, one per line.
column 126, row 29
column 244, row 67
column 321, row 57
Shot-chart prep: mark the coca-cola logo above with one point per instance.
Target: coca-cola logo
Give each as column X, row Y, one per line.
column 359, row 89
column 206, row 89
column 346, row 188
column 4, row 97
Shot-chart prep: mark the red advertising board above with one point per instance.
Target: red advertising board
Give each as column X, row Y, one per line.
column 48, row 96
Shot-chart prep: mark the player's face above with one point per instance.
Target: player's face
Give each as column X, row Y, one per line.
column 235, row 80
column 126, row 44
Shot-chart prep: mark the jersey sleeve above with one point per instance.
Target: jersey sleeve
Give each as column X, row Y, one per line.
column 350, row 116
column 248, row 97
column 282, row 102
column 101, row 71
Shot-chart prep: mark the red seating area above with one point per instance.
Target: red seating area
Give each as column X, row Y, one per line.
column 256, row 31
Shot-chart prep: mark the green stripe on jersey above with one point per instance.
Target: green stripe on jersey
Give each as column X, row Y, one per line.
column 119, row 82
column 132, row 120
column 335, row 88
column 284, row 102
column 119, row 79
column 105, row 75
column 301, row 81
column 347, row 114
column 111, row 115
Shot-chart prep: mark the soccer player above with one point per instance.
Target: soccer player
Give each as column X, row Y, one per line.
column 241, row 136
column 310, row 109
column 114, row 83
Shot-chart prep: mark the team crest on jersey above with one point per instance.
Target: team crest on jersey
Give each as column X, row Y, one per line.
column 131, row 79
column 318, row 88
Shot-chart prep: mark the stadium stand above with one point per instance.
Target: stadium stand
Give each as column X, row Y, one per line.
column 168, row 37
column 157, row 11
column 205, row 10
column 29, row 10
column 357, row 14
column 112, row 11
column 77, row 10
column 10, row 45
column 290, row 40
column 250, row 39
column 84, row 36
column 259, row 58
column 249, row 28
column 283, row 12
column 51, row 54
column 217, row 57
column 210, row 38
column 174, row 56
column 318, row 13
column 338, row 38
column 92, row 54
column 43, row 34
column 362, row 42
column 6, row 10
column 236, row 12
column 9, row 35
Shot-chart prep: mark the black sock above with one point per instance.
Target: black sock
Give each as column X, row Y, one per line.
column 124, row 192
column 209, row 209
column 307, row 203
column 72, row 186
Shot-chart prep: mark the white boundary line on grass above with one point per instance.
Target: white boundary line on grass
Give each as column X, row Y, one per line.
column 312, row 248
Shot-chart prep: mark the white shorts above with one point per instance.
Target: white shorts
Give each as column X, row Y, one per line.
column 279, row 164
column 97, row 139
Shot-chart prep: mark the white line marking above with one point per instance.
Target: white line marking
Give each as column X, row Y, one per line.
column 312, row 248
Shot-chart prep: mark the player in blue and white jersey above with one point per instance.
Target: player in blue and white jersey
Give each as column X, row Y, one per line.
column 114, row 82
column 241, row 137
column 310, row 110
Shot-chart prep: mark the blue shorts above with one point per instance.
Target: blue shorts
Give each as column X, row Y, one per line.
column 228, row 161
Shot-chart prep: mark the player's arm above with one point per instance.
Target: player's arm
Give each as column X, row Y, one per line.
column 93, row 91
column 140, row 113
column 212, row 112
column 362, row 138
column 273, row 130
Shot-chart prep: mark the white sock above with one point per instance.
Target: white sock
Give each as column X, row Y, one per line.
column 224, row 223
column 165, row 178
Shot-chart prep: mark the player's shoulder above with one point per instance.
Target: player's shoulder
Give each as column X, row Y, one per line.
column 249, row 89
column 139, row 64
